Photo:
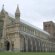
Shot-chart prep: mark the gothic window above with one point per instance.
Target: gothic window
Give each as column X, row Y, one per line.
column 48, row 25
column 45, row 25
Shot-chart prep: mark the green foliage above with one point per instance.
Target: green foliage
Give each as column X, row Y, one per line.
column 27, row 53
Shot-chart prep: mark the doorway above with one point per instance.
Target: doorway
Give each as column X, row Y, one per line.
column 7, row 45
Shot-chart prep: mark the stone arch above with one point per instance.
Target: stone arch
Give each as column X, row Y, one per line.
column 7, row 45
column 24, row 45
column 37, row 45
column 34, row 44
column 29, row 45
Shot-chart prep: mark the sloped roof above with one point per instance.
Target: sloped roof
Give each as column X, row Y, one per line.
column 33, row 26
column 24, row 22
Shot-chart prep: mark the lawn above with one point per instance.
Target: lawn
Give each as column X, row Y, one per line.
column 27, row 53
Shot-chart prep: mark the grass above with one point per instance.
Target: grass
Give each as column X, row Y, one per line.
column 27, row 53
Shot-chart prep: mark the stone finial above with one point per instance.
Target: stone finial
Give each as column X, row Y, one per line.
column 3, row 6
column 3, row 11
column 17, row 10
column 17, row 13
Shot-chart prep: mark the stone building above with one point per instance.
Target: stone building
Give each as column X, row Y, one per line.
column 49, row 26
column 18, row 35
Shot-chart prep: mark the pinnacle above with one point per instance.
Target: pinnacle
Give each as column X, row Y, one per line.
column 3, row 8
column 17, row 10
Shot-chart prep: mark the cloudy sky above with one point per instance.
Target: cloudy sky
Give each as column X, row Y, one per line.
column 33, row 11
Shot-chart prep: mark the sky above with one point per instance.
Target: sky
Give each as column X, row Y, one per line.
column 33, row 11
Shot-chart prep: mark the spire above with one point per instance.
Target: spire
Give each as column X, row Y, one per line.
column 3, row 11
column 17, row 10
column 17, row 13
column 2, row 8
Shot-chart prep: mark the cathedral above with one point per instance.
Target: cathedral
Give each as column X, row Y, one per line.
column 18, row 35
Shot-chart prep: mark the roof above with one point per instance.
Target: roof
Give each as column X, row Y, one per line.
column 33, row 26
column 24, row 22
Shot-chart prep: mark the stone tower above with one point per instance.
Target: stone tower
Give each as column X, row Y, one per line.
column 3, row 19
column 17, row 24
column 17, row 14
column 2, row 16
column 50, row 27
